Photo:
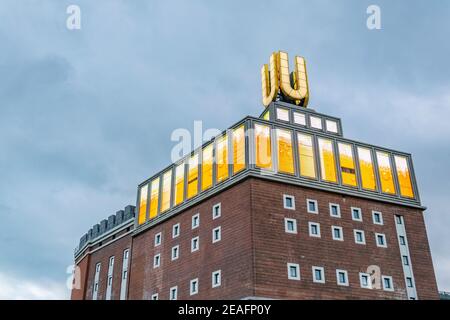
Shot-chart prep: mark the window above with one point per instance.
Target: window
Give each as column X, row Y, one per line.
column 288, row 202
column 402, row 240
column 326, row 159
column 166, row 188
column 409, row 282
column 238, row 149
column 290, row 225
column 314, row 229
column 125, row 254
column 111, row 261
column 216, row 234
column 299, row 118
column 157, row 260
column 293, row 271
column 175, row 252
column 109, row 281
column 318, row 274
column 331, row 126
column 387, row 283
column 216, row 279
column 337, row 233
column 263, row 146
column 316, row 122
column 347, row 164
column 222, row 158
column 356, row 214
column 306, row 156
column 335, row 210
column 384, row 167
column 285, row 155
column 192, row 180
column 193, row 287
column 194, row 244
column 174, row 293
column 366, row 168
column 125, row 273
column 377, row 217
column 179, row 184
column 216, row 211
column 155, row 296
column 359, row 237
column 341, row 277
column 381, row 240
column 154, row 196
column 158, row 238
column 311, row 206
column 399, row 219
column 143, row 204
column 404, row 178
column 266, row 115
column 195, row 220
column 364, row 279
column 405, row 260
column 282, row 114
column 207, row 167
column 175, row 230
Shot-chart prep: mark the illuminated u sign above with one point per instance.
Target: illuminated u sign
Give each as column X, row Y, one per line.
column 293, row 86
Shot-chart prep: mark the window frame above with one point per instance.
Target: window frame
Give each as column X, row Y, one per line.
column 322, row 273
column 360, row 214
column 341, row 231
column 391, row 281
column 191, row 292
column 355, row 232
column 297, row 267
column 155, row 295
column 214, row 239
column 158, row 236
column 156, row 258
column 285, row 197
column 316, row 211
column 197, row 238
column 310, row 225
column 294, row 223
column 174, row 288
column 369, row 281
column 330, row 206
column 219, row 206
column 195, row 217
column 374, row 213
column 338, row 282
column 177, row 247
column 384, row 240
column 175, row 227
column 213, row 276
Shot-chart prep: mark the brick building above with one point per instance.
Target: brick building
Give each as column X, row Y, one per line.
column 280, row 206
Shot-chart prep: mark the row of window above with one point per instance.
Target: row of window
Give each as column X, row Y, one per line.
column 300, row 118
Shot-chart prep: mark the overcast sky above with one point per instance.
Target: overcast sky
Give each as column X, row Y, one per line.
column 86, row 115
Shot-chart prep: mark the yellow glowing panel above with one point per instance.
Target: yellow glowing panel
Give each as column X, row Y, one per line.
column 269, row 80
column 284, row 147
column 384, row 168
column 327, row 163
column 165, row 197
column 263, row 146
column 222, row 158
column 299, row 90
column 404, row 177
column 207, row 167
column 143, row 204
column 192, row 186
column 347, row 164
column 238, row 149
column 306, row 156
column 366, row 169
column 179, row 184
column 266, row 116
column 154, row 197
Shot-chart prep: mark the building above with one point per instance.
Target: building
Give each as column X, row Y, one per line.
column 280, row 206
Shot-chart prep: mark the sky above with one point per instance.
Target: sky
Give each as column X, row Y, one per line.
column 86, row 115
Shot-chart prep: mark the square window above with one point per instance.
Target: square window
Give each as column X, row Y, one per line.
column 377, row 217
column 381, row 240
column 293, row 271
column 194, row 244
column 402, row 240
column 158, row 238
column 341, row 277
column 299, row 118
column 193, row 287
column 216, row 278
column 405, row 260
column 155, row 296
column 314, row 229
column 216, row 212
column 290, row 225
column 175, row 252
column 365, row 281
column 282, row 114
column 359, row 237
column 316, row 122
column 399, row 219
column 195, row 220
column 311, row 206
column 157, row 260
column 175, row 230
column 335, row 210
column 387, row 283
column 318, row 274
column 409, row 282
column 288, row 202
column 173, row 293
column 337, row 233
column 216, row 234
column 331, row 126
column 356, row 214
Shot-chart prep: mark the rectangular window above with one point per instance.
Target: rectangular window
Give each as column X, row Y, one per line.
column 175, row 252
column 409, row 282
column 299, row 118
column 356, row 214
column 192, row 183
column 216, row 211
column 316, row 122
column 359, row 237
column 166, row 188
column 288, row 202
column 193, row 287
column 364, row 279
column 399, row 219
column 341, row 277
column 143, row 204
column 366, row 168
column 285, row 155
column 337, row 233
column 377, row 217
column 306, row 156
column 327, row 163
column 157, row 260
column 290, row 225
column 404, row 177
column 335, row 210
column 195, row 221
column 405, row 260
column 154, row 296
column 387, row 283
column 402, row 240
column 216, row 279
column 311, row 206
column 173, row 293
column 347, row 164
column 293, row 271
column 318, row 274
column 314, row 229
column 384, row 168
column 331, row 126
column 154, row 197
column 179, row 184
column 263, row 146
column 175, row 230
column 381, row 240
column 216, row 234
column 194, row 244
column 282, row 114
column 222, row 158
column 238, row 149
column 158, row 239
column 207, row 167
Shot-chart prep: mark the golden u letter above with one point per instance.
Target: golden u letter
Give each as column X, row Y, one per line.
column 269, row 81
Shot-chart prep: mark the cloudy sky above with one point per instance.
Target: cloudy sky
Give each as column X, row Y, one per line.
column 81, row 110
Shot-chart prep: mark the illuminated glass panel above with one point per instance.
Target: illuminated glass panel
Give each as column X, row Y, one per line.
column 263, row 146
column 179, row 184
column 238, row 149
column 222, row 158
column 266, row 116
column 165, row 197
column 192, row 183
column 154, row 197
column 384, row 167
column 207, row 167
column 282, row 114
column 404, row 177
column 316, row 122
column 143, row 204
column 331, row 126
column 366, row 169
column 284, row 147
column 299, row 118
column 306, row 156
column 347, row 164
column 326, row 157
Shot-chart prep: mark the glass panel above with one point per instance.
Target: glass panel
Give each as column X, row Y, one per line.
column 154, row 196
column 222, row 158
column 266, row 116
column 179, row 184
column 384, row 167
column 282, row 114
column 192, row 185
column 263, row 146
column 404, row 177
column 284, row 147
column 316, row 122
column 207, row 166
column 167, row 183
column 306, row 155
column 331, row 126
column 327, row 163
column 238, row 149
column 347, row 164
column 299, row 118
column 366, row 168
column 143, row 204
